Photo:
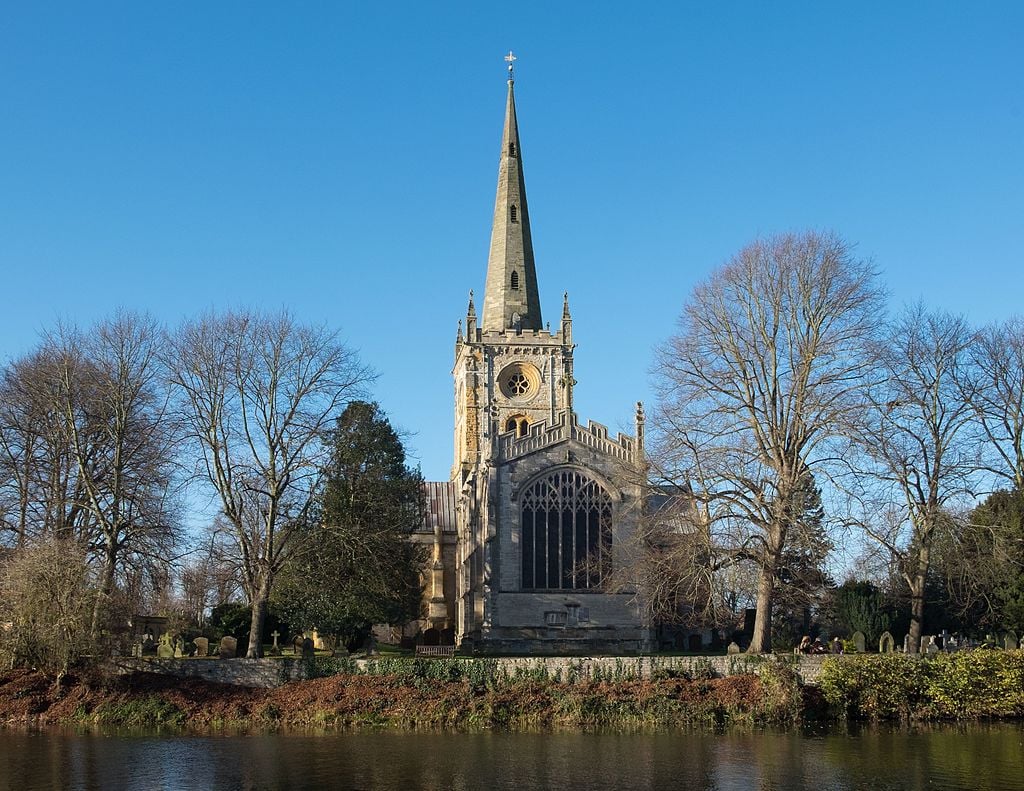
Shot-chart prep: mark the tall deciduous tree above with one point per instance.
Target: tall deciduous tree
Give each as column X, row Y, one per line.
column 256, row 393
column 766, row 366
column 88, row 448
column 358, row 566
column 996, row 392
column 917, row 439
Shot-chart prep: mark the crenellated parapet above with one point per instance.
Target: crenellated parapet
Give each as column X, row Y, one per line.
column 593, row 436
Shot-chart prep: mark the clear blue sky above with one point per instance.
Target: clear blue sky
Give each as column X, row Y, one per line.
column 340, row 159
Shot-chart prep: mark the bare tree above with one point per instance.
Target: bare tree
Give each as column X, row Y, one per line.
column 996, row 392
column 257, row 392
column 763, row 373
column 88, row 449
column 916, row 437
column 46, row 604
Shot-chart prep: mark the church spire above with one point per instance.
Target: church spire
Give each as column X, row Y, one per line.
column 510, row 297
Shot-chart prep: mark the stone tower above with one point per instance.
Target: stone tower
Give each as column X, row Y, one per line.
column 544, row 507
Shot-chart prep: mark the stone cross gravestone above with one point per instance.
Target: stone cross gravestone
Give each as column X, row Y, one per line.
column 732, row 649
column 228, row 647
column 858, row 641
column 165, row 650
column 886, row 645
column 1010, row 641
column 202, row 646
column 275, row 650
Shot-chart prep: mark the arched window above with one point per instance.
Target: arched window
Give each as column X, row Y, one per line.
column 566, row 532
column 515, row 280
column 520, row 424
column 514, row 214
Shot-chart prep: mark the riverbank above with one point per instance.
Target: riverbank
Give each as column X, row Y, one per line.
column 414, row 702
column 467, row 694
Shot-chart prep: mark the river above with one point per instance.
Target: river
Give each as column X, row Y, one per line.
column 942, row 757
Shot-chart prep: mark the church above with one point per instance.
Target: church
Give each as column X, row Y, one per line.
column 530, row 538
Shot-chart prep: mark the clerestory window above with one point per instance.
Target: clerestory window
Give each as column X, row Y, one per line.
column 566, row 533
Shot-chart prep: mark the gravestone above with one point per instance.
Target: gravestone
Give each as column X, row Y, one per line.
column 886, row 645
column 1010, row 641
column 952, row 645
column 933, row 646
column 179, row 647
column 308, row 651
column 925, row 640
column 732, row 649
column 858, row 641
column 228, row 647
column 274, row 649
column 165, row 650
column 297, row 644
column 202, row 646
column 906, row 644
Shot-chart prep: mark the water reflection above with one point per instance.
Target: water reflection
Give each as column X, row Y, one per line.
column 975, row 757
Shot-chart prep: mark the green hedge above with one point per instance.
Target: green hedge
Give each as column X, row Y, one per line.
column 964, row 685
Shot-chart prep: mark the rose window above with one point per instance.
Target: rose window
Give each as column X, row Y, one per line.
column 518, row 384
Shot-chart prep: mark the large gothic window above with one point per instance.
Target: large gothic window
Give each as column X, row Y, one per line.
column 566, row 532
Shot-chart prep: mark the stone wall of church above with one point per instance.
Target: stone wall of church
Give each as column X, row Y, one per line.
column 522, row 620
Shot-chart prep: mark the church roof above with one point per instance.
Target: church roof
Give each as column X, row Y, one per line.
column 511, row 299
column 440, row 504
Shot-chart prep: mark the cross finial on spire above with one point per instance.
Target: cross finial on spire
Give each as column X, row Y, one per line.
column 510, row 59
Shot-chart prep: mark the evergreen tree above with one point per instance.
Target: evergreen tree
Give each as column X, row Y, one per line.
column 356, row 566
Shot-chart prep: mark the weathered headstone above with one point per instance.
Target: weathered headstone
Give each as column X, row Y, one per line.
column 297, row 644
column 202, row 646
column 179, row 647
column 933, row 646
column 886, row 645
column 308, row 651
column 732, row 649
column 952, row 645
column 228, row 647
column 925, row 640
column 906, row 644
column 1010, row 641
column 858, row 641
column 274, row 649
column 165, row 650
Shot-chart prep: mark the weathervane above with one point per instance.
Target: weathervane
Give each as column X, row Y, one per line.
column 510, row 59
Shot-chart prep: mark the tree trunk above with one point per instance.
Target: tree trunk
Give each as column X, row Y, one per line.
column 916, row 612
column 101, row 607
column 259, row 615
column 761, row 642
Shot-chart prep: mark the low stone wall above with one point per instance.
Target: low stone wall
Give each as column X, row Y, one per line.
column 240, row 672
column 274, row 672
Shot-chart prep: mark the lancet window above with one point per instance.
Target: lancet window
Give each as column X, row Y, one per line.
column 566, row 532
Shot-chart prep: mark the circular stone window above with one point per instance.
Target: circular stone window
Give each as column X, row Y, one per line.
column 519, row 381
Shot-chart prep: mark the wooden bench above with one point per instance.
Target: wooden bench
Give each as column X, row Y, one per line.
column 436, row 651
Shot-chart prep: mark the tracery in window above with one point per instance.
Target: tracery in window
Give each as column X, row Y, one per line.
column 566, row 532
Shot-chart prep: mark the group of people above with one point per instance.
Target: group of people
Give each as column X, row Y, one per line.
column 816, row 646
